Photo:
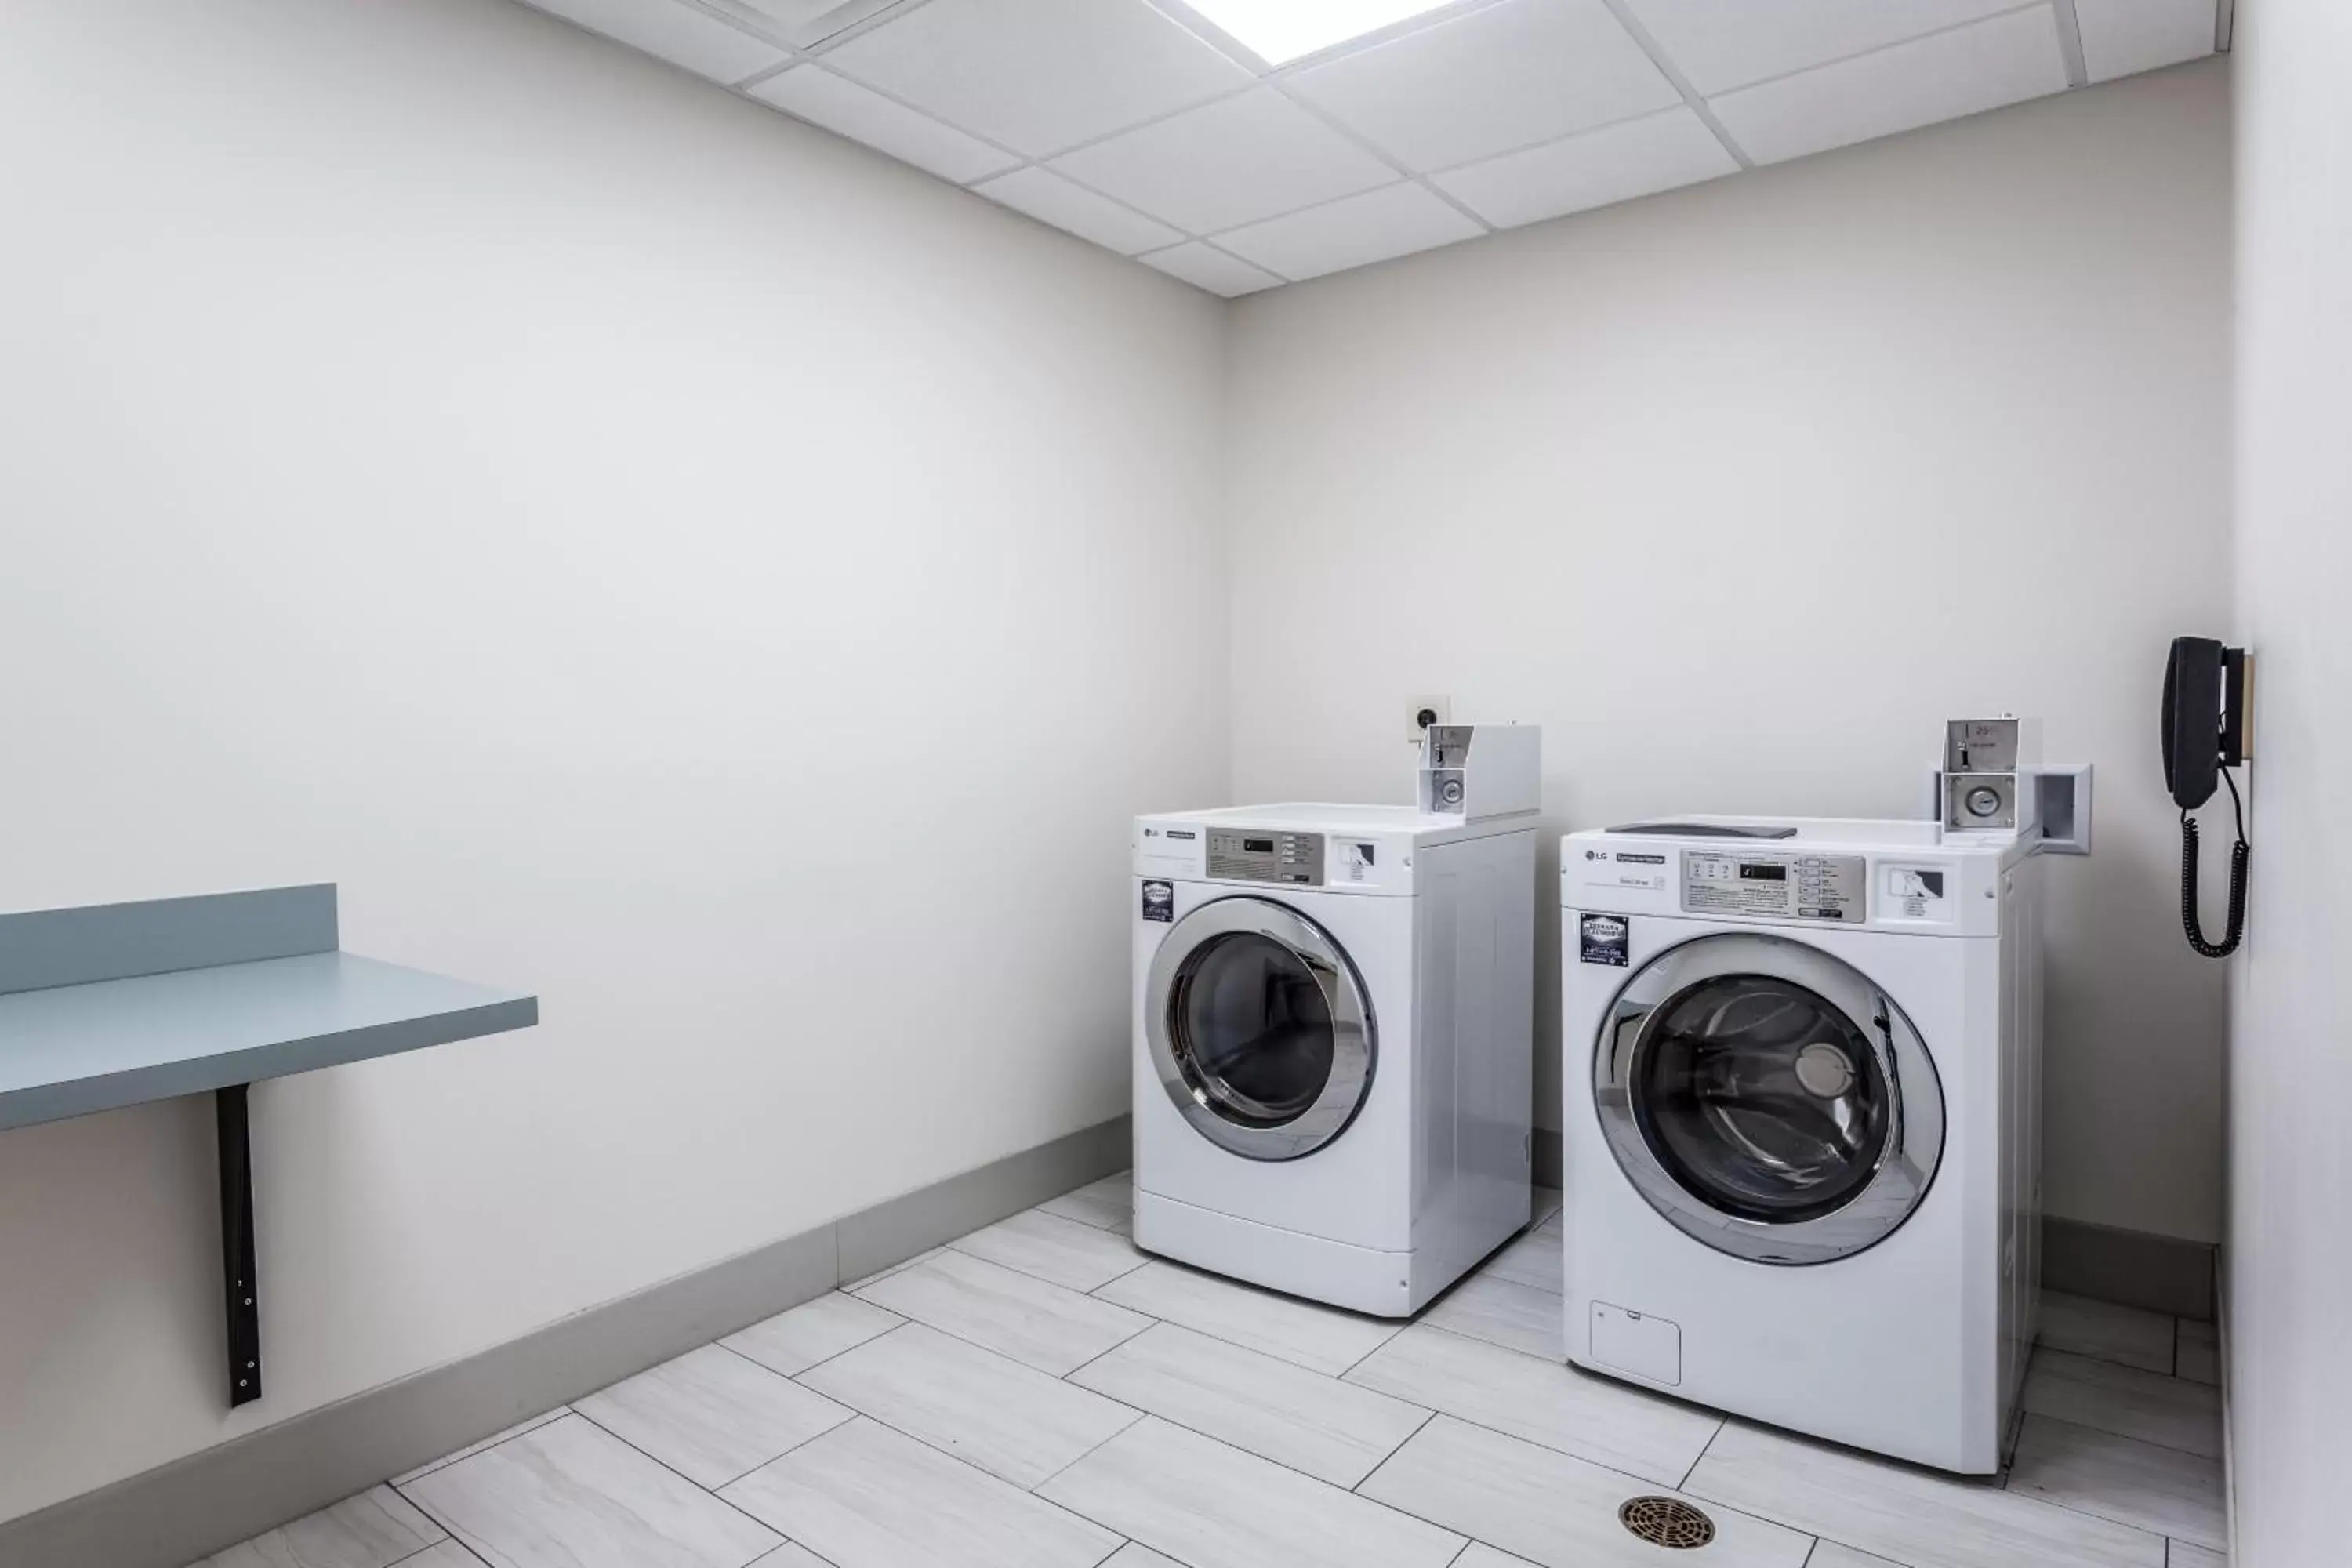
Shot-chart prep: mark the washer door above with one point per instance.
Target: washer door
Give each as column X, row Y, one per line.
column 1259, row 1027
column 1768, row 1099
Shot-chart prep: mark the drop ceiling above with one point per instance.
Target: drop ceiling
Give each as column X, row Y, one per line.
column 1141, row 126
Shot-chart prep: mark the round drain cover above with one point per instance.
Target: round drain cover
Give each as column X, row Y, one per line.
column 1665, row 1522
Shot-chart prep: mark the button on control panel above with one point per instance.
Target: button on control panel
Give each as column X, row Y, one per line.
column 1777, row 886
column 1237, row 855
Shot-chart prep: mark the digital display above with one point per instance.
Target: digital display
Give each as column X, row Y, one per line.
column 1754, row 873
column 1257, row 845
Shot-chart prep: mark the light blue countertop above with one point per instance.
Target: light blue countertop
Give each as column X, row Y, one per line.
column 69, row 1050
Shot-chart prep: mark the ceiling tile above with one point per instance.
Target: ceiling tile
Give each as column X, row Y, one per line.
column 680, row 33
column 1983, row 66
column 1718, row 45
column 1206, row 266
column 1228, row 163
column 2120, row 37
column 1049, row 198
column 1039, row 75
column 816, row 95
column 802, row 22
column 1508, row 75
column 1614, row 164
column 1373, row 227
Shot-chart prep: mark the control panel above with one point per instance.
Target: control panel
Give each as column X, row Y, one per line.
column 1237, row 855
column 1778, row 886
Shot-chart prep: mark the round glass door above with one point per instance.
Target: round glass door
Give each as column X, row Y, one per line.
column 1767, row 1099
column 1259, row 1028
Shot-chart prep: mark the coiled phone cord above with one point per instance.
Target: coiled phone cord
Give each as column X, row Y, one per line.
column 2238, row 856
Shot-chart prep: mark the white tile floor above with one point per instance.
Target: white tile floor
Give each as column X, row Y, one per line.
column 1040, row 1394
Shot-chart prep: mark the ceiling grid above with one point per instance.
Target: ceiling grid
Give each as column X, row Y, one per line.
column 1672, row 72
column 2070, row 41
column 1141, row 126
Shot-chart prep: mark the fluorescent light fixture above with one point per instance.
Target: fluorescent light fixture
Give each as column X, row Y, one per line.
column 1280, row 31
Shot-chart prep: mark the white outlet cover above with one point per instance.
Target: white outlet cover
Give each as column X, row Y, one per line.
column 1413, row 706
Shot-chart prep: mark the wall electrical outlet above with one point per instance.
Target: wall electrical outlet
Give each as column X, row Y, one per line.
column 1420, row 712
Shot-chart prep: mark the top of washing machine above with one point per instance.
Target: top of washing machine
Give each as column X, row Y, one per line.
column 1475, row 780
column 1867, row 833
column 1836, row 872
column 1320, row 816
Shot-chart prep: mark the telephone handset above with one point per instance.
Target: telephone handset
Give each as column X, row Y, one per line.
column 2205, row 736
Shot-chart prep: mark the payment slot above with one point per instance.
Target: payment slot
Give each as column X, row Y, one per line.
column 1992, row 783
column 1480, row 770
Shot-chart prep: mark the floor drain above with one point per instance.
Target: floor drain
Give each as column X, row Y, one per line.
column 1666, row 1521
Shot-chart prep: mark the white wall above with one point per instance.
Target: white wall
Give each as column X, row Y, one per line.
column 645, row 551
column 2290, row 1252
column 1743, row 490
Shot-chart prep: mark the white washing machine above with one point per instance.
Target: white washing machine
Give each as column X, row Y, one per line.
column 1802, row 1084
column 1334, row 1032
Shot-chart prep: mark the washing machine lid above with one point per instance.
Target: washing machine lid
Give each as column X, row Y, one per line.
column 1767, row 1098
column 1259, row 1027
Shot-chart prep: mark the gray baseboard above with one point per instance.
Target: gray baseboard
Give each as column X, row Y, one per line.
column 896, row 1228
column 2228, row 1416
column 180, row 1512
column 1547, row 1161
column 2131, row 1268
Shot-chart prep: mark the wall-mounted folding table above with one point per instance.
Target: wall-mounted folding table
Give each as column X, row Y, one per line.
column 117, row 1005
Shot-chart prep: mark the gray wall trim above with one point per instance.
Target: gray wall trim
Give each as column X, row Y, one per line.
column 42, row 948
column 1547, row 1161
column 2131, row 1268
column 180, row 1512
column 2228, row 1416
column 897, row 1228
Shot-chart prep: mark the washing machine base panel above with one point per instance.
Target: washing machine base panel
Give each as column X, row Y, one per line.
column 1959, row 1447
column 1360, row 1279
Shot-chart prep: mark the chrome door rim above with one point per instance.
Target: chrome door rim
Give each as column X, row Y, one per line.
column 1907, row 1164
column 1352, row 1028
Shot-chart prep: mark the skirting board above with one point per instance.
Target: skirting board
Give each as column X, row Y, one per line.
column 2227, row 1380
column 1545, row 1161
column 2229, row 1421
column 2130, row 1267
column 180, row 1512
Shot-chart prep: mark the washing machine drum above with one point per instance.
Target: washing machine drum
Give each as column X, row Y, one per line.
column 1768, row 1099
column 1259, row 1028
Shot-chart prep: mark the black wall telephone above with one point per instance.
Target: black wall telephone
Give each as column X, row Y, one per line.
column 2204, row 736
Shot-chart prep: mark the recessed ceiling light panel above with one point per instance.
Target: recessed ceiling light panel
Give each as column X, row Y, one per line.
column 1280, row 31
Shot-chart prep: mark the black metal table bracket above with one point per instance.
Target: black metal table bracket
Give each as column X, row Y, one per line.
column 116, row 1004
column 242, row 1289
